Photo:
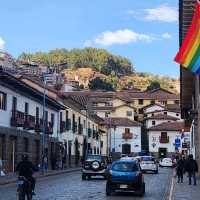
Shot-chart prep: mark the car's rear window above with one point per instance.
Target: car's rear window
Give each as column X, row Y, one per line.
column 145, row 158
column 94, row 157
column 125, row 167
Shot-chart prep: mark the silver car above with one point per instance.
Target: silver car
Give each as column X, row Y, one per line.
column 148, row 164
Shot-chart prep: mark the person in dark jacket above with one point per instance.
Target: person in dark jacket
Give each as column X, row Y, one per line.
column 180, row 170
column 192, row 168
column 26, row 168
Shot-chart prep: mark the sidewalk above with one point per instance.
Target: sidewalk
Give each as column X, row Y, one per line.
column 183, row 191
column 11, row 178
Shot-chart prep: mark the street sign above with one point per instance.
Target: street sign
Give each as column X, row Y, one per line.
column 177, row 142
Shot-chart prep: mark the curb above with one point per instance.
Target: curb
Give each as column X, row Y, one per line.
column 169, row 192
column 40, row 176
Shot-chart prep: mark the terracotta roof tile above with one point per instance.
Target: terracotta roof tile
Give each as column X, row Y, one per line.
column 168, row 126
column 162, row 117
column 120, row 122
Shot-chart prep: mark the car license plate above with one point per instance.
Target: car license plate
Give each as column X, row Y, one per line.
column 123, row 186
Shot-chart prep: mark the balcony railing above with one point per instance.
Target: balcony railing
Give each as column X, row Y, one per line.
column 29, row 122
column 164, row 140
column 17, row 118
column 127, row 136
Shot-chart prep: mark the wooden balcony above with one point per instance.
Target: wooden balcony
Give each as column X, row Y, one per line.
column 127, row 136
column 17, row 118
column 164, row 140
column 29, row 122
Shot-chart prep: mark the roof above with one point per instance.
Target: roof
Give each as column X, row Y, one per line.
column 120, row 122
column 162, row 117
column 16, row 84
column 173, row 107
column 168, row 126
column 153, row 104
column 124, row 105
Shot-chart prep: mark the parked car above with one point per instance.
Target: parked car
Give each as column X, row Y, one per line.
column 148, row 163
column 94, row 165
column 126, row 176
column 166, row 162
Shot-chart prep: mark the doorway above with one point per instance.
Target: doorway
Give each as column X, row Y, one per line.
column 126, row 149
column 162, row 152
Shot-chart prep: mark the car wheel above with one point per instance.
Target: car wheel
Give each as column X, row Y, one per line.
column 142, row 191
column 89, row 177
column 156, row 172
column 105, row 177
column 108, row 190
column 83, row 177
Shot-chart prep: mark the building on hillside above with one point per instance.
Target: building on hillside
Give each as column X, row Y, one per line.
column 22, row 123
column 166, row 139
column 124, row 136
column 190, row 83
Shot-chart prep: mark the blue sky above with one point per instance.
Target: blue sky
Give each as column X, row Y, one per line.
column 144, row 31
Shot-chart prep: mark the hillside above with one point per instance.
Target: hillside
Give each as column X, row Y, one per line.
column 84, row 65
column 135, row 80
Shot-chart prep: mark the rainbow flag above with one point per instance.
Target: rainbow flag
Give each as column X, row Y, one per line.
column 189, row 53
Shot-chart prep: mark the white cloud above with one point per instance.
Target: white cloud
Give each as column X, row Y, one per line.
column 2, row 43
column 161, row 13
column 166, row 36
column 124, row 36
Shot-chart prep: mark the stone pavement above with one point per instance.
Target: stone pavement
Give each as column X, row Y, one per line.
column 11, row 178
column 183, row 191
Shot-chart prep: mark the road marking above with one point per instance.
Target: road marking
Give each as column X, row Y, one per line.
column 171, row 189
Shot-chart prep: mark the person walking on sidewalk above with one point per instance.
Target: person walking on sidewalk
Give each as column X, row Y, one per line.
column 180, row 169
column 192, row 168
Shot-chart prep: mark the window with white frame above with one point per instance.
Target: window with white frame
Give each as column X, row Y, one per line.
column 3, row 100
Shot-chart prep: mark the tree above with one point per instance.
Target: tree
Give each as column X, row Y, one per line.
column 153, row 85
column 99, row 84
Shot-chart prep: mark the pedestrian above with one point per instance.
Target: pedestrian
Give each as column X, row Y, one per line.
column 192, row 168
column 180, row 170
column 45, row 163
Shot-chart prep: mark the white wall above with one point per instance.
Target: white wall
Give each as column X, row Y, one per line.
column 153, row 108
column 5, row 115
column 157, row 122
column 117, row 140
column 154, row 143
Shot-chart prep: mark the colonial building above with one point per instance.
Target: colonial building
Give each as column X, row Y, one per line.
column 124, row 136
column 23, row 125
column 165, row 138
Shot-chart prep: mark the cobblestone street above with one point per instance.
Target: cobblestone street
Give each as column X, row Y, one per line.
column 71, row 187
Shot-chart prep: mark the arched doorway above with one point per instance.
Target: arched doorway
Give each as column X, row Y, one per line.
column 126, row 148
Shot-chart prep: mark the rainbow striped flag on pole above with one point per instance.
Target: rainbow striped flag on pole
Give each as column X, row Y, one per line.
column 189, row 53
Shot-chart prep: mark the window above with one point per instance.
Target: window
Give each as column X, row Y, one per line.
column 108, row 103
column 26, row 108
column 152, row 114
column 95, row 104
column 3, row 99
column 26, row 145
column 177, row 114
column 66, row 115
column 129, row 113
column 125, row 167
column 164, row 135
column 84, row 124
column 46, row 116
column 152, row 101
column 52, row 119
column 37, row 113
column 107, row 114
column 14, row 103
column 153, row 123
column 141, row 101
column 127, row 130
column 140, row 111
column 176, row 101
column 165, row 113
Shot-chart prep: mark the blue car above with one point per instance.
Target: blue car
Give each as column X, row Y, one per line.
column 125, row 176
